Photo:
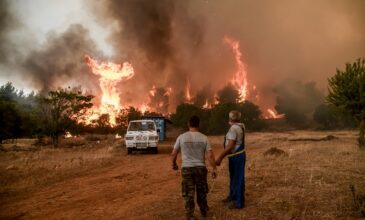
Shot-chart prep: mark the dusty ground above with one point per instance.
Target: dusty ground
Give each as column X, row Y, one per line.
column 97, row 180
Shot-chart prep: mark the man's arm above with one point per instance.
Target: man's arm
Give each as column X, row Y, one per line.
column 230, row 146
column 211, row 159
column 174, row 154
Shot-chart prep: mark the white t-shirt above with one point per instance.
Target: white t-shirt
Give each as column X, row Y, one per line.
column 193, row 146
column 235, row 133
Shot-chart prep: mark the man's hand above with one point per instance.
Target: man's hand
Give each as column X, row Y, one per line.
column 173, row 159
column 175, row 166
column 214, row 173
column 229, row 147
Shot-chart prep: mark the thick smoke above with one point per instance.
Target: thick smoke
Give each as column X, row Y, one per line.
column 149, row 25
column 61, row 61
column 163, row 43
column 173, row 43
column 297, row 98
column 8, row 22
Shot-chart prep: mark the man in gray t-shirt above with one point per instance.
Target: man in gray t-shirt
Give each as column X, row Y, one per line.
column 193, row 146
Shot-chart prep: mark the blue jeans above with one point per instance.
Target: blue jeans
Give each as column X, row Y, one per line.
column 237, row 179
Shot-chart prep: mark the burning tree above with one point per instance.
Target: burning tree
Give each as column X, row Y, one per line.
column 159, row 99
column 347, row 93
column 62, row 108
column 110, row 75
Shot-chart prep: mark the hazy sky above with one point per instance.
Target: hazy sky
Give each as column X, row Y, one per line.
column 39, row 18
column 44, row 16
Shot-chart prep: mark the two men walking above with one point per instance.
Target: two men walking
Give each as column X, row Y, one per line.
column 194, row 146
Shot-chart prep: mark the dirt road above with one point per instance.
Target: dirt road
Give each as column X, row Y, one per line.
column 309, row 181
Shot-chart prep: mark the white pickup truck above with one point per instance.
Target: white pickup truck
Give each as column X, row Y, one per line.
column 141, row 135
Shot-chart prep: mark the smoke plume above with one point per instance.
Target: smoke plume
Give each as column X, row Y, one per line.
column 62, row 60
column 8, row 22
column 172, row 42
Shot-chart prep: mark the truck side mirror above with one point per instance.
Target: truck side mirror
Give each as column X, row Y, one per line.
column 158, row 130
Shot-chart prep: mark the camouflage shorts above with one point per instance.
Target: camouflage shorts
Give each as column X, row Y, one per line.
column 194, row 178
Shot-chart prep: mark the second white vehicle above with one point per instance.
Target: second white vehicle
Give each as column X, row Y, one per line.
column 141, row 135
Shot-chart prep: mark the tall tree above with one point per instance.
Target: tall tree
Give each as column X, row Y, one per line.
column 60, row 109
column 347, row 92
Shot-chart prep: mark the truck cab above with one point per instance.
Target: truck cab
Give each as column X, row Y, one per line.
column 141, row 135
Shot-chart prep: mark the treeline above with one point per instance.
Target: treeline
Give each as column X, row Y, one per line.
column 303, row 104
column 54, row 113
column 214, row 120
column 36, row 115
column 18, row 116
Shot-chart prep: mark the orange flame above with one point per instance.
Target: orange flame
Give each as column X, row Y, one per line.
column 110, row 75
column 240, row 78
column 187, row 92
column 206, row 104
column 153, row 91
column 216, row 101
column 68, row 135
column 274, row 115
column 168, row 91
column 144, row 108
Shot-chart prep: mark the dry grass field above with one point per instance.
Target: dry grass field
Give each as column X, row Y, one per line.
column 292, row 175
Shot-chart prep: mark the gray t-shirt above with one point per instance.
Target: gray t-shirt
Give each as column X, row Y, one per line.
column 235, row 133
column 193, row 146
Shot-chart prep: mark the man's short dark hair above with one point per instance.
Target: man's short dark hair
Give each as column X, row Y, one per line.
column 194, row 121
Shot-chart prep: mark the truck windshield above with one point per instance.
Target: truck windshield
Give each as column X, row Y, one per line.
column 142, row 126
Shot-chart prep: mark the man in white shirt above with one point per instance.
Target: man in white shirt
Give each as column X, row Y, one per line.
column 193, row 146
